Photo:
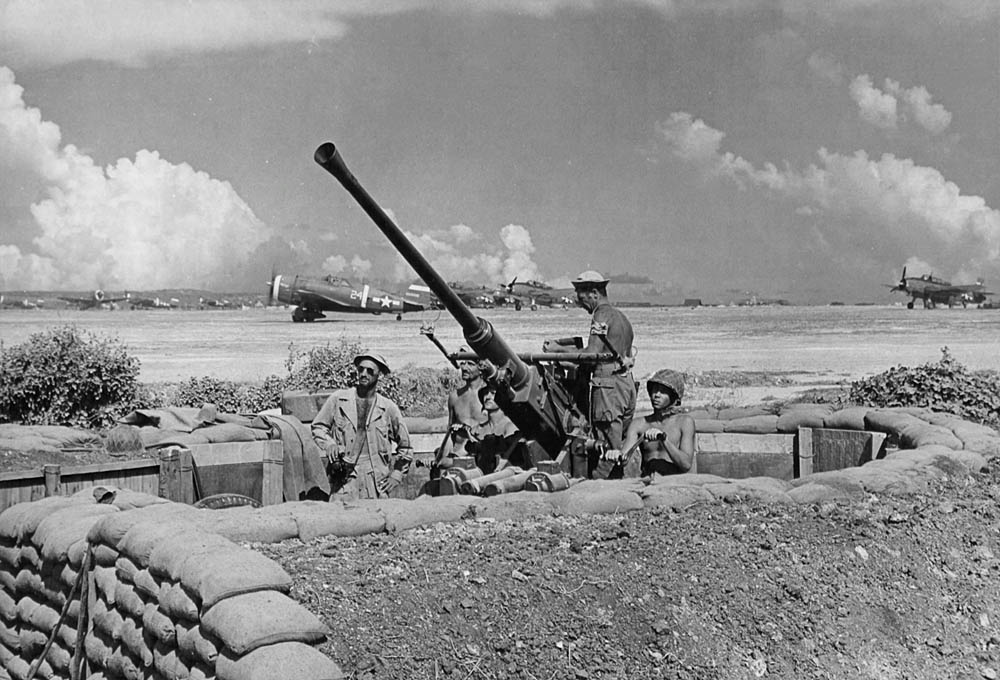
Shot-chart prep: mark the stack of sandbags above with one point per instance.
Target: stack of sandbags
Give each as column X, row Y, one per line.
column 176, row 601
column 42, row 550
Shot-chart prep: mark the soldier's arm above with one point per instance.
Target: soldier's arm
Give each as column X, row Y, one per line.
column 682, row 454
column 322, row 430
column 404, row 451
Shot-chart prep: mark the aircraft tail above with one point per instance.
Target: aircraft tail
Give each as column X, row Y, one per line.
column 416, row 298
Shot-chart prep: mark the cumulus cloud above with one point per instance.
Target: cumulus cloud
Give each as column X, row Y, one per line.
column 454, row 262
column 885, row 109
column 140, row 223
column 890, row 195
column 131, row 32
column 875, row 106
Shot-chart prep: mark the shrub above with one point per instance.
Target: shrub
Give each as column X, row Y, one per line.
column 230, row 396
column 67, row 376
column 946, row 386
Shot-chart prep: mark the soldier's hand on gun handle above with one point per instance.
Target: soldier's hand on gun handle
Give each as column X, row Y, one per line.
column 652, row 434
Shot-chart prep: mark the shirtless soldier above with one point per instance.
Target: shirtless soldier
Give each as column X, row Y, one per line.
column 465, row 411
column 666, row 437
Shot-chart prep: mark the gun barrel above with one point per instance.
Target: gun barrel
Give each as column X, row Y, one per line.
column 478, row 332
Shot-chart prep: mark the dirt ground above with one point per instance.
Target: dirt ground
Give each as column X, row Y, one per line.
column 886, row 588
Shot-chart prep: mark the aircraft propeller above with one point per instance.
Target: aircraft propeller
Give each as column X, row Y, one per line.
column 901, row 286
column 270, row 287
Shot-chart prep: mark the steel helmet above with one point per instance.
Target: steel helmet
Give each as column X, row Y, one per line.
column 589, row 278
column 672, row 380
column 376, row 358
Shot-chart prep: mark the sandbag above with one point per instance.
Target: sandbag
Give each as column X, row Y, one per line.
column 168, row 663
column 103, row 555
column 140, row 540
column 229, row 432
column 759, row 424
column 850, row 418
column 97, row 648
column 595, row 498
column 327, row 519
column 137, row 641
column 111, row 530
column 194, row 645
column 230, row 572
column 105, row 580
column 283, row 661
column 803, row 415
column 29, row 556
column 19, row 521
column 58, row 657
column 401, row 515
column 743, row 412
column 245, row 622
column 167, row 559
column 147, row 584
column 128, row 600
column 710, row 425
column 61, row 529
column 889, row 421
column 159, row 625
column 8, row 608
column 126, row 569
column 42, row 616
column 252, row 525
column 915, row 435
column 10, row 555
column 9, row 637
column 31, row 640
column 110, row 624
column 176, row 603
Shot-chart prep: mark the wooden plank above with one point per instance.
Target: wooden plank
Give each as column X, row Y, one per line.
column 804, row 460
column 228, row 453
column 738, row 456
column 838, row 449
column 272, row 474
column 51, row 473
column 170, row 474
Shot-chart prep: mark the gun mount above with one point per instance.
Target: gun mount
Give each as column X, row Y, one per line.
column 542, row 406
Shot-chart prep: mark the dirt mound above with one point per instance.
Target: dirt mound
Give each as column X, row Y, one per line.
column 892, row 587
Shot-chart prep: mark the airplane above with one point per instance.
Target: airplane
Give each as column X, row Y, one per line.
column 537, row 293
column 934, row 291
column 312, row 296
column 154, row 303
column 97, row 299
column 23, row 303
column 475, row 296
column 218, row 304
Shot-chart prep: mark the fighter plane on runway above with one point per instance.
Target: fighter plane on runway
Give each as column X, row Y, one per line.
column 154, row 303
column 96, row 299
column 23, row 303
column 312, row 296
column 934, row 291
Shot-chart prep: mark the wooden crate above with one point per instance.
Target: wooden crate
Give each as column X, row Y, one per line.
column 822, row 449
column 738, row 456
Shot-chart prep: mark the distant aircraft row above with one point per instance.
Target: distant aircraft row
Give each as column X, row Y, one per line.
column 313, row 296
column 99, row 299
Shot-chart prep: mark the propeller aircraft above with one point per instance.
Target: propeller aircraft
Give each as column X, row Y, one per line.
column 934, row 291
column 154, row 303
column 314, row 295
column 537, row 294
column 96, row 299
column 23, row 303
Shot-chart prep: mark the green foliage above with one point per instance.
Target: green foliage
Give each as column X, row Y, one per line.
column 229, row 396
column 67, row 376
column 321, row 368
column 417, row 391
column 945, row 386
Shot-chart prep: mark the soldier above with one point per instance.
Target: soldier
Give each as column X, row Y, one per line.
column 465, row 411
column 612, row 390
column 495, row 439
column 665, row 436
column 356, row 428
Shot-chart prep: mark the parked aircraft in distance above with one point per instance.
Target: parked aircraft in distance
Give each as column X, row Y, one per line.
column 314, row 295
column 475, row 296
column 96, row 299
column 537, row 294
column 216, row 303
column 23, row 303
column 934, row 291
column 154, row 303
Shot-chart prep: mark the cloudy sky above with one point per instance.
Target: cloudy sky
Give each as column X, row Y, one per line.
column 805, row 149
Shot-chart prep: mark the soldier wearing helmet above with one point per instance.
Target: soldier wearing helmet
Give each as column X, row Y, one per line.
column 665, row 436
column 611, row 393
column 358, row 428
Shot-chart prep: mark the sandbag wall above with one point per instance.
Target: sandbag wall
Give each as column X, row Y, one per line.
column 167, row 598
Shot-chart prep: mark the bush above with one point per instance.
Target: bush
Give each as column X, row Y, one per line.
column 230, row 396
column 417, row 391
column 66, row 376
column 946, row 386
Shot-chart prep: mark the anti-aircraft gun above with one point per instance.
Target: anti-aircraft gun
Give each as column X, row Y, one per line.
column 534, row 390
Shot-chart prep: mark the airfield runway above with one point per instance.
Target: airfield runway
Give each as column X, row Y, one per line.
column 812, row 346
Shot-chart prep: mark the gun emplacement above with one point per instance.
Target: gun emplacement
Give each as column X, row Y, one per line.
column 541, row 406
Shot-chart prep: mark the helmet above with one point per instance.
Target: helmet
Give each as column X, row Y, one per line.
column 672, row 380
column 589, row 278
column 377, row 358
